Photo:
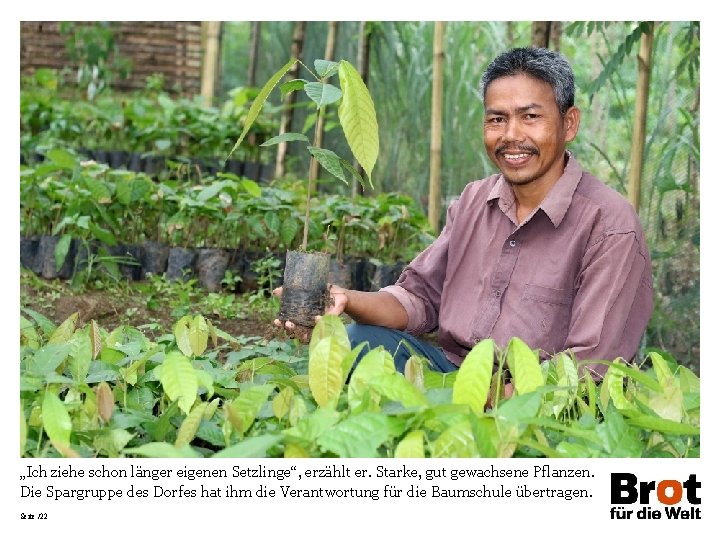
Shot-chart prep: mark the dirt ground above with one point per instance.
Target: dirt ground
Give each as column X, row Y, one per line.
column 110, row 310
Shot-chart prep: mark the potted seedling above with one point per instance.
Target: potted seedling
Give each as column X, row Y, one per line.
column 305, row 281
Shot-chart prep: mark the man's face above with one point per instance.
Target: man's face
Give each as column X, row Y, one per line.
column 525, row 134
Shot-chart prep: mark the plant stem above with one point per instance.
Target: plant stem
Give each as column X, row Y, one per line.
column 306, row 226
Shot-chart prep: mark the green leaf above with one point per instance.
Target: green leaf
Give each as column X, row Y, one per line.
column 102, row 234
column 524, row 366
column 251, row 187
column 244, row 408
column 188, row 429
column 473, row 379
column 414, row 373
column 412, row 446
column 292, row 86
column 47, row 359
column 329, row 346
column 162, row 450
column 179, row 380
column 181, row 330
column 285, row 137
column 56, row 421
column 349, row 167
column 308, row 428
column 654, row 423
column 255, row 447
column 375, row 363
column 62, row 158
column 323, row 93
column 45, row 324
column 61, row 250
column 456, row 441
column 198, row 334
column 325, row 68
column 211, row 191
column 358, row 119
column 358, row 436
column 80, row 356
column 618, row 437
column 329, row 160
column 281, row 403
column 325, row 371
column 260, row 101
column 288, row 230
column 395, row 387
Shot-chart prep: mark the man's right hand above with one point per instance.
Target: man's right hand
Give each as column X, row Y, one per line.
column 336, row 306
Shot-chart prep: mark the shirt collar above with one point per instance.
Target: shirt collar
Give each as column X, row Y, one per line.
column 556, row 202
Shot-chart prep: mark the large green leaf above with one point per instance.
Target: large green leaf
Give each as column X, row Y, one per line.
column 395, row 387
column 325, row 371
column 456, row 441
column 329, row 346
column 56, row 421
column 198, row 335
column 358, row 436
column 473, row 379
column 524, row 366
column 358, row 119
column 179, row 380
column 322, row 93
column 260, row 101
column 244, row 408
column 188, row 428
column 412, row 446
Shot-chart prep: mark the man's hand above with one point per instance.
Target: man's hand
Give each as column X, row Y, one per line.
column 338, row 301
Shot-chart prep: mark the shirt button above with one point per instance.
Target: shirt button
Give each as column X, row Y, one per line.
column 498, row 294
column 512, row 243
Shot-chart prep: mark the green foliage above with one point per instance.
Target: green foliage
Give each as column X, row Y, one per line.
column 89, row 392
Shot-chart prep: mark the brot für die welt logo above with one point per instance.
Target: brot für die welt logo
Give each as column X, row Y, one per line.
column 681, row 500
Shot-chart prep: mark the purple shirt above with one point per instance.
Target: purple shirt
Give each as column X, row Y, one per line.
column 574, row 275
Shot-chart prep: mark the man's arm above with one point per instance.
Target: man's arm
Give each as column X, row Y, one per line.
column 377, row 308
column 614, row 301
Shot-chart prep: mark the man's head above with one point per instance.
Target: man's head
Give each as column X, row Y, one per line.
column 529, row 115
column 542, row 64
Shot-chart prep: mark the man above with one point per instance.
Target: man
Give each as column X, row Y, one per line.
column 542, row 251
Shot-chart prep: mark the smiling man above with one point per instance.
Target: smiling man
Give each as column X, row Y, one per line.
column 543, row 251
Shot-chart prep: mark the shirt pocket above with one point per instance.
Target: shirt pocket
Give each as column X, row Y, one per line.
column 546, row 316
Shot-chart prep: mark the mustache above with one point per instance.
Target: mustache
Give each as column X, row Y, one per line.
column 521, row 148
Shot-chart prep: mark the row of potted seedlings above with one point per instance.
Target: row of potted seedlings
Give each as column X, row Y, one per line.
column 208, row 265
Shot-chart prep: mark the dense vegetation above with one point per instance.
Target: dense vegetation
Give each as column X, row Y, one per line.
column 146, row 387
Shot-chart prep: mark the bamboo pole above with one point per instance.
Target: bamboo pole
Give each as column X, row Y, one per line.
column 436, row 127
column 210, row 61
column 642, row 92
column 320, row 125
column 287, row 114
column 254, row 45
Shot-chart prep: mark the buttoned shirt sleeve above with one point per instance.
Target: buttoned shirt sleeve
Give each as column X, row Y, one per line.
column 419, row 287
column 613, row 302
